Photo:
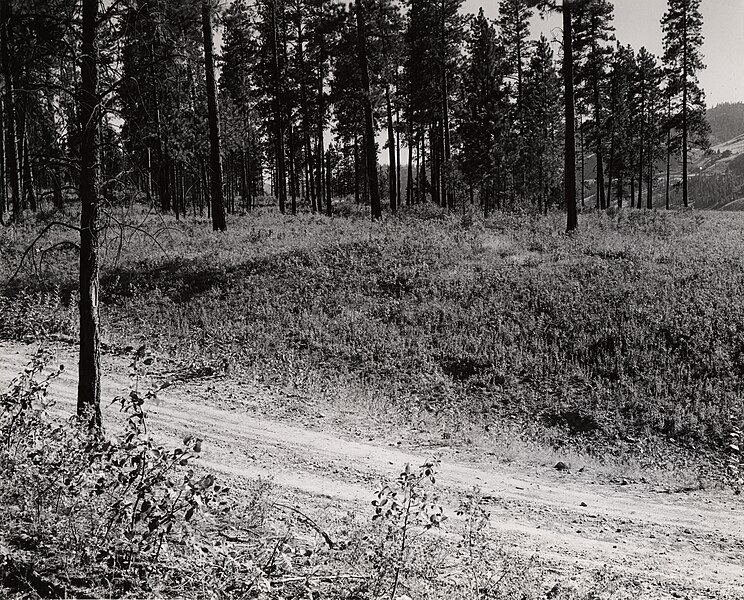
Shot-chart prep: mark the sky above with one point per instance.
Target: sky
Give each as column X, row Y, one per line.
column 637, row 23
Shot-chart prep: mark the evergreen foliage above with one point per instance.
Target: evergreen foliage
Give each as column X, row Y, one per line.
column 463, row 108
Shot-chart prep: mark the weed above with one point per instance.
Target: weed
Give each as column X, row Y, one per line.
column 631, row 329
column 405, row 505
column 88, row 509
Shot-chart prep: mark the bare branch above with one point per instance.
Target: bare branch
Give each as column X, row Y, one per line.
column 33, row 244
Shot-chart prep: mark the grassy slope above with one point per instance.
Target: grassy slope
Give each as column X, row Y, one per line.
column 633, row 328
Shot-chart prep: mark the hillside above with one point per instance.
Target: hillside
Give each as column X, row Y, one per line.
column 726, row 121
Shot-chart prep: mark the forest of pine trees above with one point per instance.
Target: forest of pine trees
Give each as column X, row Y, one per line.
column 308, row 95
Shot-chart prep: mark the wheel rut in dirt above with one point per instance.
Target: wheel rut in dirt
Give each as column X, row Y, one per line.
column 693, row 542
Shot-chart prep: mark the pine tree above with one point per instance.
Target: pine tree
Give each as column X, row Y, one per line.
column 369, row 130
column 646, row 121
column 542, row 110
column 568, row 9
column 238, row 101
column 622, row 72
column 89, row 380
column 682, row 26
column 483, row 109
column 513, row 22
column 215, row 157
column 592, row 32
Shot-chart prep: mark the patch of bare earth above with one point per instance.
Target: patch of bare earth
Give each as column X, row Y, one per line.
column 661, row 545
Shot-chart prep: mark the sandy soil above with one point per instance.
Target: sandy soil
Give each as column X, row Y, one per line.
column 665, row 545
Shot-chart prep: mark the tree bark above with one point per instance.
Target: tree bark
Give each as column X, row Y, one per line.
column 685, row 200
column 570, row 150
column 11, row 147
column 393, row 169
column 357, row 198
column 89, row 383
column 329, row 183
column 215, row 162
column 374, row 187
column 409, row 180
column 598, row 149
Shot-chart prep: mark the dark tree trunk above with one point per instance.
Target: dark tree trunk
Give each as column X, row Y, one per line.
column 11, row 152
column 583, row 167
column 409, row 182
column 598, row 149
column 448, row 194
column 245, row 196
column 434, row 145
column 215, row 163
column 685, row 200
column 293, row 185
column 3, row 180
column 306, row 128
column 356, row 169
column 570, row 151
column 668, row 167
column 89, row 383
column 321, row 117
column 448, row 198
column 650, row 181
column 28, row 176
column 393, row 177
column 371, row 153
column 329, row 180
column 280, row 180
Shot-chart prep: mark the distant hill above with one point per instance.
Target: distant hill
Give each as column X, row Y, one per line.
column 726, row 121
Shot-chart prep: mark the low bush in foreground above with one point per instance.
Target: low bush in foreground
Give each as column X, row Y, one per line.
column 87, row 517
column 85, row 513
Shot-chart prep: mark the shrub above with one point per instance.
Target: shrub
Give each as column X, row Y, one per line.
column 81, row 509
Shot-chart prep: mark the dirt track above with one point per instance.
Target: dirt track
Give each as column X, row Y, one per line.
column 685, row 545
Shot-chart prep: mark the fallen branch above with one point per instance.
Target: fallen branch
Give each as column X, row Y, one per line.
column 320, row 578
column 309, row 521
column 18, row 575
column 31, row 246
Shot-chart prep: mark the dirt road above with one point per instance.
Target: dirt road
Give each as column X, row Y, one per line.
column 683, row 545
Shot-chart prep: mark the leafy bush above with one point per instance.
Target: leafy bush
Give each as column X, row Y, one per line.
column 82, row 509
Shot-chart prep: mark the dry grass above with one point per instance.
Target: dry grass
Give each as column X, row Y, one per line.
column 483, row 333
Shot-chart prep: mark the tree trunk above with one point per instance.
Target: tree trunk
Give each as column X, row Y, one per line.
column 329, row 181
column 306, row 127
column 583, row 167
column 89, row 383
column 356, row 170
column 668, row 165
column 641, row 160
column 11, row 152
column 570, row 151
column 3, row 180
column 215, row 162
column 280, row 181
column 398, row 174
column 434, row 160
column 292, row 172
column 371, row 153
column 650, row 188
column 393, row 169
column 409, row 182
column 685, row 200
column 598, row 149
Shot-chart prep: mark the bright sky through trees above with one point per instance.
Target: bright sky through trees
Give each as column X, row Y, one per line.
column 637, row 24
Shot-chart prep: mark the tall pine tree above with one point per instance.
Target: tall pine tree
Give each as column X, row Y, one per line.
column 682, row 25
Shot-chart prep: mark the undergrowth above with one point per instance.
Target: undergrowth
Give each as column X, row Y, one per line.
column 90, row 516
column 631, row 331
